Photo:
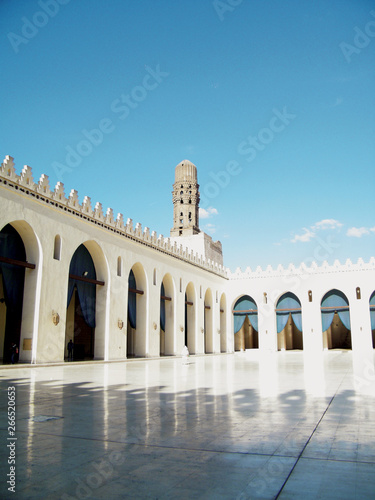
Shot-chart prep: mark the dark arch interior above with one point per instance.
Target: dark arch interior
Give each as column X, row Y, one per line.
column 12, row 280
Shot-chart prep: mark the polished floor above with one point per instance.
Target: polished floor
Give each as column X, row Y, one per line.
column 242, row 426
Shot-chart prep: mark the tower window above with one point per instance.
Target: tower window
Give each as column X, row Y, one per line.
column 190, row 202
column 181, row 192
column 181, row 201
column 181, row 214
column 181, row 221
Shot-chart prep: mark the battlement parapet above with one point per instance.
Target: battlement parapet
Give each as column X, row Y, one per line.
column 41, row 191
column 302, row 269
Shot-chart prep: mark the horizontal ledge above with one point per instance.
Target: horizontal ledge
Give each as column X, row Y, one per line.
column 86, row 280
column 15, row 262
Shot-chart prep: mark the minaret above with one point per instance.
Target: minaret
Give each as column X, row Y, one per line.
column 185, row 200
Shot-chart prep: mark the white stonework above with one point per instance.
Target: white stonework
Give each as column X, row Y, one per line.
column 202, row 244
column 53, row 225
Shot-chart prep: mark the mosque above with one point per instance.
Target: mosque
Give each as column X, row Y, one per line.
column 69, row 270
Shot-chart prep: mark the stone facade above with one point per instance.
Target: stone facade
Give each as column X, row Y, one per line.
column 196, row 293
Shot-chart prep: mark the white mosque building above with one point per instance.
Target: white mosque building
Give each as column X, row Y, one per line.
column 69, row 270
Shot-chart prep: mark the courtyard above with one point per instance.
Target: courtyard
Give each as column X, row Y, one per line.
column 248, row 425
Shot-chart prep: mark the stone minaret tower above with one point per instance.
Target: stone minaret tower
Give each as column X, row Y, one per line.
column 185, row 200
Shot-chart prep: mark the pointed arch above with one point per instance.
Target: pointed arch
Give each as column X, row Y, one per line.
column 289, row 322
column 245, row 319
column 335, row 313
column 86, row 297
column 20, row 279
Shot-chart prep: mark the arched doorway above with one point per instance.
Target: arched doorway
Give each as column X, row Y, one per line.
column 223, row 323
column 289, row 322
column 336, row 321
column 81, row 304
column 12, row 281
column 245, row 317
column 190, row 318
column 166, row 316
column 137, row 313
column 208, row 337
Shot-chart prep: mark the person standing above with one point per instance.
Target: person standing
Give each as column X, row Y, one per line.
column 70, row 350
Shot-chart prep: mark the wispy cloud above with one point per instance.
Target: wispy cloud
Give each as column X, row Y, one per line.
column 326, row 224
column 358, row 232
column 207, row 214
column 304, row 237
column 310, row 232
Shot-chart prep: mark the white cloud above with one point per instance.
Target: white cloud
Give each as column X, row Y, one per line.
column 327, row 224
column 206, row 214
column 358, row 232
column 305, row 237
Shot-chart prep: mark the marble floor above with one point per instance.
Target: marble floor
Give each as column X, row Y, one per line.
column 236, row 426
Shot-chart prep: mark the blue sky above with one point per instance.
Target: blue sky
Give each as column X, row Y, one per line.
column 273, row 101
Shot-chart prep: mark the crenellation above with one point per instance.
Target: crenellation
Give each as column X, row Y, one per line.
column 98, row 212
column 120, row 222
column 8, row 170
column 109, row 217
column 86, row 206
column 129, row 226
column 43, row 186
column 59, row 193
column 26, row 178
column 138, row 230
column 146, row 234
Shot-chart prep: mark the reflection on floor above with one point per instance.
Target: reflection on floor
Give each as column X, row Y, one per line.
column 241, row 426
